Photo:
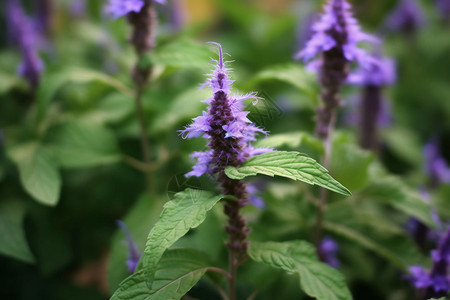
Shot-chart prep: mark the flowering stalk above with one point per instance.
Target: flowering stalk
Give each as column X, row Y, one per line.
column 141, row 15
column 229, row 132
column 25, row 36
column 379, row 73
column 335, row 37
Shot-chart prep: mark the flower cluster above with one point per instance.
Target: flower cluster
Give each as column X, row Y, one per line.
column 23, row 32
column 407, row 17
column 336, row 36
column 436, row 281
column 337, row 29
column 225, row 125
column 120, row 8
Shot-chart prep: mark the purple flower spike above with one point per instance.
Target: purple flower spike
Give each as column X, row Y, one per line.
column 133, row 254
column 225, row 125
column 407, row 17
column 337, row 28
column 27, row 38
column 435, row 282
column 120, row 8
column 335, row 37
column 230, row 133
column 435, row 165
column 328, row 250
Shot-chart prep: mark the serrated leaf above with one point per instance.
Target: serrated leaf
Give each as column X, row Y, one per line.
column 292, row 139
column 177, row 272
column 13, row 241
column 293, row 74
column 316, row 279
column 292, row 165
column 133, row 288
column 187, row 210
column 393, row 191
column 79, row 144
column 182, row 53
column 52, row 83
column 38, row 172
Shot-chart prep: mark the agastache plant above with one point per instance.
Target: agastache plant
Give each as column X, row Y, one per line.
column 230, row 133
column 26, row 37
column 436, row 281
column 335, row 39
column 379, row 73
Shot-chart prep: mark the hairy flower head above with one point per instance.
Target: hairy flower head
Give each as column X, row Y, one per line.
column 336, row 28
column 225, row 125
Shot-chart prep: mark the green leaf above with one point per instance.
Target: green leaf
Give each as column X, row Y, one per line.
column 182, row 53
column 177, row 272
column 393, row 191
column 292, row 139
column 79, row 144
column 8, row 82
column 38, row 172
column 371, row 244
column 292, row 165
column 13, row 241
column 52, row 83
column 293, row 74
column 316, row 279
column 350, row 164
column 133, row 288
column 188, row 210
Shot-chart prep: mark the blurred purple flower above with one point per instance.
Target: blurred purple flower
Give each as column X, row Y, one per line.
column 78, row 8
column 26, row 37
column 443, row 7
column 379, row 72
column 257, row 201
column 407, row 17
column 177, row 15
column 305, row 30
column 436, row 281
column 225, row 125
column 133, row 252
column 373, row 109
column 337, row 28
column 435, row 165
column 328, row 250
column 120, row 8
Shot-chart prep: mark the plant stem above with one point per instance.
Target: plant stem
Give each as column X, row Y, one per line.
column 232, row 276
column 145, row 147
column 324, row 192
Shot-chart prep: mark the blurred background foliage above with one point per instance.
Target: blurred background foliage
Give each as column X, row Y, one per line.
column 67, row 150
